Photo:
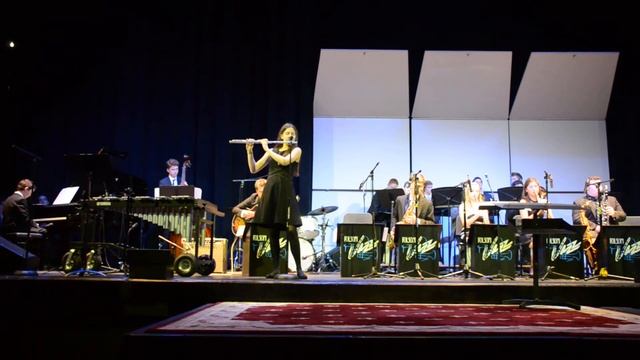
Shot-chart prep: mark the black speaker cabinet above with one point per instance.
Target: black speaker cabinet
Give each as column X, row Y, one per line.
column 150, row 264
column 12, row 258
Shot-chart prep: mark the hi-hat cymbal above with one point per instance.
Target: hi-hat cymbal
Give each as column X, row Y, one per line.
column 323, row 210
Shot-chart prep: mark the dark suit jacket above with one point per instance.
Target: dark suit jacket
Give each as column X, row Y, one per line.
column 591, row 211
column 246, row 204
column 166, row 182
column 425, row 210
column 15, row 214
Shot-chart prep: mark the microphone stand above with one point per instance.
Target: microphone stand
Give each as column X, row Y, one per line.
column 237, row 253
column 464, row 241
column 364, row 192
column 374, row 271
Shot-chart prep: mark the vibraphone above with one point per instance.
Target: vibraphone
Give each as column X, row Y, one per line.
column 184, row 217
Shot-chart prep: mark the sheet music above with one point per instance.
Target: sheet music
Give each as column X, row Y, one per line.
column 66, row 195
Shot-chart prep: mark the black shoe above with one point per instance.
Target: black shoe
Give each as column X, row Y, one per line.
column 301, row 275
column 273, row 274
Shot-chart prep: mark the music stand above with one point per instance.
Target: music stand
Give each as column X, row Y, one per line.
column 539, row 227
column 445, row 198
column 90, row 168
column 93, row 167
column 510, row 193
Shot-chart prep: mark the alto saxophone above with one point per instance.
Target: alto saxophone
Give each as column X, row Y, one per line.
column 588, row 242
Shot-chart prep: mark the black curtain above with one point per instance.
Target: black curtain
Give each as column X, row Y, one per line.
column 159, row 80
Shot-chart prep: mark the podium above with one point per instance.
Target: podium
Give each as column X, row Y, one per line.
column 259, row 249
column 418, row 249
column 493, row 250
column 619, row 250
column 360, row 248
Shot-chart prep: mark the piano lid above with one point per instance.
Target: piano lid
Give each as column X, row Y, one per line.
column 98, row 171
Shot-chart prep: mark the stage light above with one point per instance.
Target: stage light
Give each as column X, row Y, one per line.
column 12, row 44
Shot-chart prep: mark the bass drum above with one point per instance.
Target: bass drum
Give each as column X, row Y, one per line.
column 309, row 228
column 306, row 256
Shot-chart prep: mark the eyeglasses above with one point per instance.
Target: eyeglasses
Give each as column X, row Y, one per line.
column 32, row 188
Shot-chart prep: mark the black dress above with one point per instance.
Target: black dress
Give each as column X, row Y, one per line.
column 278, row 198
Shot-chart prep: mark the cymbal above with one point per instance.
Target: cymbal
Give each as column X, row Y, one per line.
column 323, row 210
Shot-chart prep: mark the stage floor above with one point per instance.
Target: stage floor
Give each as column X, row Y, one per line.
column 56, row 315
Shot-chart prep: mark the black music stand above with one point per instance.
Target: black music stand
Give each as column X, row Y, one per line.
column 464, row 249
column 539, row 227
column 93, row 167
column 610, row 265
column 511, row 193
column 444, row 199
column 502, row 232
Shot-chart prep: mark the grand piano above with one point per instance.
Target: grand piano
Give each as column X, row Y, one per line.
column 95, row 176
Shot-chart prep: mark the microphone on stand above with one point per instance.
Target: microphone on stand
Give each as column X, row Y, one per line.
column 414, row 175
column 489, row 185
column 549, row 177
column 362, row 183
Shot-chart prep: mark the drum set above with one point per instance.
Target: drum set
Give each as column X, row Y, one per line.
column 307, row 233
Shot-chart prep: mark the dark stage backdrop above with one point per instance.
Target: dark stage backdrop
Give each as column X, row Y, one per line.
column 160, row 80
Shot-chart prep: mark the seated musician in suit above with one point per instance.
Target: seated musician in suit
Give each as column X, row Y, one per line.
column 15, row 210
column 413, row 207
column 245, row 211
column 593, row 203
column 469, row 211
column 172, row 178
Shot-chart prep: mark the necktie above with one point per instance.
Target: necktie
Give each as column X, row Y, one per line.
column 173, row 182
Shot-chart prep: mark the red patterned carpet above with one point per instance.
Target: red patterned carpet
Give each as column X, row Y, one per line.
column 400, row 320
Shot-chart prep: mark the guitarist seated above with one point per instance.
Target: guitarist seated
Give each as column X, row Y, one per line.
column 246, row 210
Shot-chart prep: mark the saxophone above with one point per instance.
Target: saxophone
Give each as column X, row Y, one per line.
column 588, row 242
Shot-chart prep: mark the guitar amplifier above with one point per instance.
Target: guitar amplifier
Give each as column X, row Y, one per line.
column 219, row 253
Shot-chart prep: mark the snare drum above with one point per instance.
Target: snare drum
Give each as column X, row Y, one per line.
column 309, row 228
column 307, row 256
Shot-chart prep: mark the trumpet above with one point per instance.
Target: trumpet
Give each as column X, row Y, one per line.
column 245, row 141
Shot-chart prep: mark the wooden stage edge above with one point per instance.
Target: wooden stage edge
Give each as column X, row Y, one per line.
column 190, row 292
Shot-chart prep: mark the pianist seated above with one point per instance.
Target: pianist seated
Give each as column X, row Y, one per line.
column 15, row 211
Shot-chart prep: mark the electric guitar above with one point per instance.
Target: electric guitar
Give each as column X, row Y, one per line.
column 238, row 221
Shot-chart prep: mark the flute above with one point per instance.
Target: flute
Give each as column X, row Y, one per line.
column 245, row 141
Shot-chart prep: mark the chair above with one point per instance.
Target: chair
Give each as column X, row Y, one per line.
column 357, row 218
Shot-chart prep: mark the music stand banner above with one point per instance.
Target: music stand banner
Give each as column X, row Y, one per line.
column 418, row 245
column 260, row 263
column 622, row 245
column 360, row 248
column 493, row 249
column 565, row 254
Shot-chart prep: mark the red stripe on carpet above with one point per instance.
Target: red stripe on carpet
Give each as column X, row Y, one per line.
column 401, row 319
